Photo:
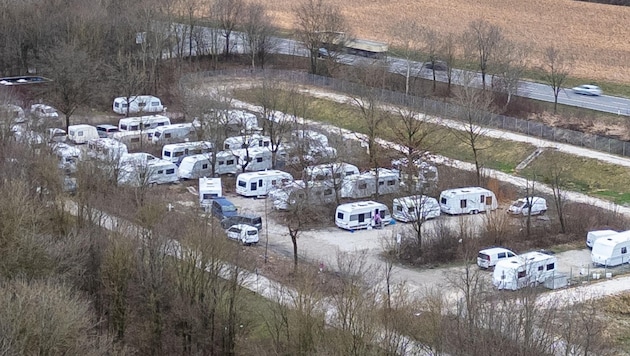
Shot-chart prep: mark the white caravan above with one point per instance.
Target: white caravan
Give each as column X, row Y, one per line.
column 137, row 104
column 175, row 152
column 209, row 188
column 612, row 250
column 470, row 200
column 106, row 149
column 255, row 184
column 195, row 166
column 330, row 171
column 155, row 171
column 259, row 158
column 143, row 122
column 407, row 209
column 528, row 269
column 528, row 206
column 593, row 236
column 172, row 133
column 360, row 215
column 131, row 138
column 80, row 134
column 425, row 175
column 310, row 192
column 363, row 185
column 255, row 140
column 243, row 120
column 68, row 157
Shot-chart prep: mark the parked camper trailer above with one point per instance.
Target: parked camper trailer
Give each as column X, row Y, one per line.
column 172, row 133
column 407, row 209
column 311, row 192
column 68, row 157
column 259, row 158
column 142, row 123
column 132, row 139
column 424, row 175
column 106, row 149
column 242, row 120
column 254, row 184
column 153, row 172
column 175, row 152
column 528, row 206
column 196, row 166
column 360, row 215
column 593, row 236
column 247, row 141
column 528, row 269
column 137, row 104
column 470, row 200
column 57, row 135
column 324, row 172
column 80, row 134
column 209, row 188
column 612, row 250
column 363, row 185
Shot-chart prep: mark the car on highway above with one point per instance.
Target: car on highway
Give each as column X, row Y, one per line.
column 437, row 65
column 587, row 89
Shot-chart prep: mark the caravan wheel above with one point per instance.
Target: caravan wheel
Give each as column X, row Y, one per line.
column 474, row 212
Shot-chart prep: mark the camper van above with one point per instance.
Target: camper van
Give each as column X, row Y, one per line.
column 209, row 188
column 324, row 172
column 528, row 206
column 142, row 123
column 255, row 140
column 360, row 215
column 80, row 134
column 593, row 236
column 106, row 149
column 137, row 104
column 255, row 184
column 488, row 258
column 259, row 158
column 310, row 192
column 528, row 269
column 471, row 200
column 407, row 209
column 611, row 251
column 172, row 133
column 155, row 171
column 175, row 152
column 357, row 186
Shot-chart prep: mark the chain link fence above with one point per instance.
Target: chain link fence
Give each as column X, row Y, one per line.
column 428, row 106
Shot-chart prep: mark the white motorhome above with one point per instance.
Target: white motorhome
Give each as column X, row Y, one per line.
column 360, row 215
column 363, row 185
column 106, row 149
column 143, row 122
column 407, row 209
column 259, row 158
column 593, row 236
column 612, row 250
column 68, row 157
column 323, row 172
column 209, row 188
column 528, row 206
column 528, row 269
column 137, row 104
column 246, row 141
column 172, row 133
column 80, row 134
column 254, row 184
column 175, row 152
column 152, row 172
column 310, row 192
column 470, row 200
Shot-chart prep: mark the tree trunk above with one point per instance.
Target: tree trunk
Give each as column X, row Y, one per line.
column 295, row 249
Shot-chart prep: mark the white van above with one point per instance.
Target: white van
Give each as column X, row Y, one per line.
column 409, row 208
column 528, row 206
column 470, row 200
column 172, row 133
column 143, row 122
column 611, row 251
column 488, row 258
column 528, row 269
column 209, row 188
column 360, row 215
column 255, row 184
column 137, row 104
column 80, row 134
column 243, row 233
column 175, row 152
column 593, row 236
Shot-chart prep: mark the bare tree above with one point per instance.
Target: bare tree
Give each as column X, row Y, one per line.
column 557, row 68
column 510, row 66
column 407, row 35
column 557, row 181
column 258, row 33
column 228, row 14
column 432, row 50
column 277, row 123
column 447, row 51
column 481, row 41
column 130, row 80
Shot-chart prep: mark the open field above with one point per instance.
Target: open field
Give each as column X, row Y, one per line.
column 596, row 35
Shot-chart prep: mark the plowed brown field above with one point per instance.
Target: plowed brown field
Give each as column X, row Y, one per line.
column 598, row 36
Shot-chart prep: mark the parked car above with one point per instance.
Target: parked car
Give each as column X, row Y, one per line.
column 242, row 233
column 588, row 89
column 528, row 206
column 223, row 208
column 243, row 218
column 42, row 111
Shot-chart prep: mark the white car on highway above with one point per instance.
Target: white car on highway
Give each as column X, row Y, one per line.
column 588, row 89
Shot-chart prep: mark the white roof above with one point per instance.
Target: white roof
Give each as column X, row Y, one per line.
column 273, row 172
column 188, row 144
column 360, row 204
column 457, row 191
column 143, row 118
column 195, row 158
column 614, row 239
column 493, row 250
column 173, row 126
column 79, row 126
column 411, row 201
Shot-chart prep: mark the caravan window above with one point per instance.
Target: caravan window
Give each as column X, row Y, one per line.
column 160, row 171
column 168, row 135
column 540, row 268
column 462, row 203
column 399, row 208
column 161, row 124
column 355, row 217
column 167, row 154
column 134, row 139
column 252, row 186
column 443, row 200
column 230, row 162
column 391, row 182
column 273, row 182
column 340, row 216
column 482, row 199
column 328, row 191
column 362, row 185
column 624, row 250
column 259, row 159
column 381, row 183
column 522, row 274
column 337, row 175
column 551, row 266
column 170, row 171
column 155, row 103
column 411, row 209
column 242, row 184
column 489, row 201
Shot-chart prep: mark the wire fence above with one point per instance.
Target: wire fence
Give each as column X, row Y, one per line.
column 431, row 107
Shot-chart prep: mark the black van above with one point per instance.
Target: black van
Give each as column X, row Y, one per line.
column 244, row 218
column 223, row 208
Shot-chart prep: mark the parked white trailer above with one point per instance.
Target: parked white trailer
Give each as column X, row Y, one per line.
column 255, row 184
column 106, row 149
column 143, row 122
column 528, row 269
column 593, row 236
column 471, row 200
column 175, row 152
column 310, row 192
column 259, row 158
column 410, row 208
column 80, row 134
column 152, row 172
column 195, row 166
column 246, row 141
column 330, row 171
column 132, row 138
column 360, row 215
column 137, row 104
column 357, row 186
column 425, row 175
column 172, row 133
column 209, row 188
column 528, row 206
column 611, row 251
column 68, row 157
